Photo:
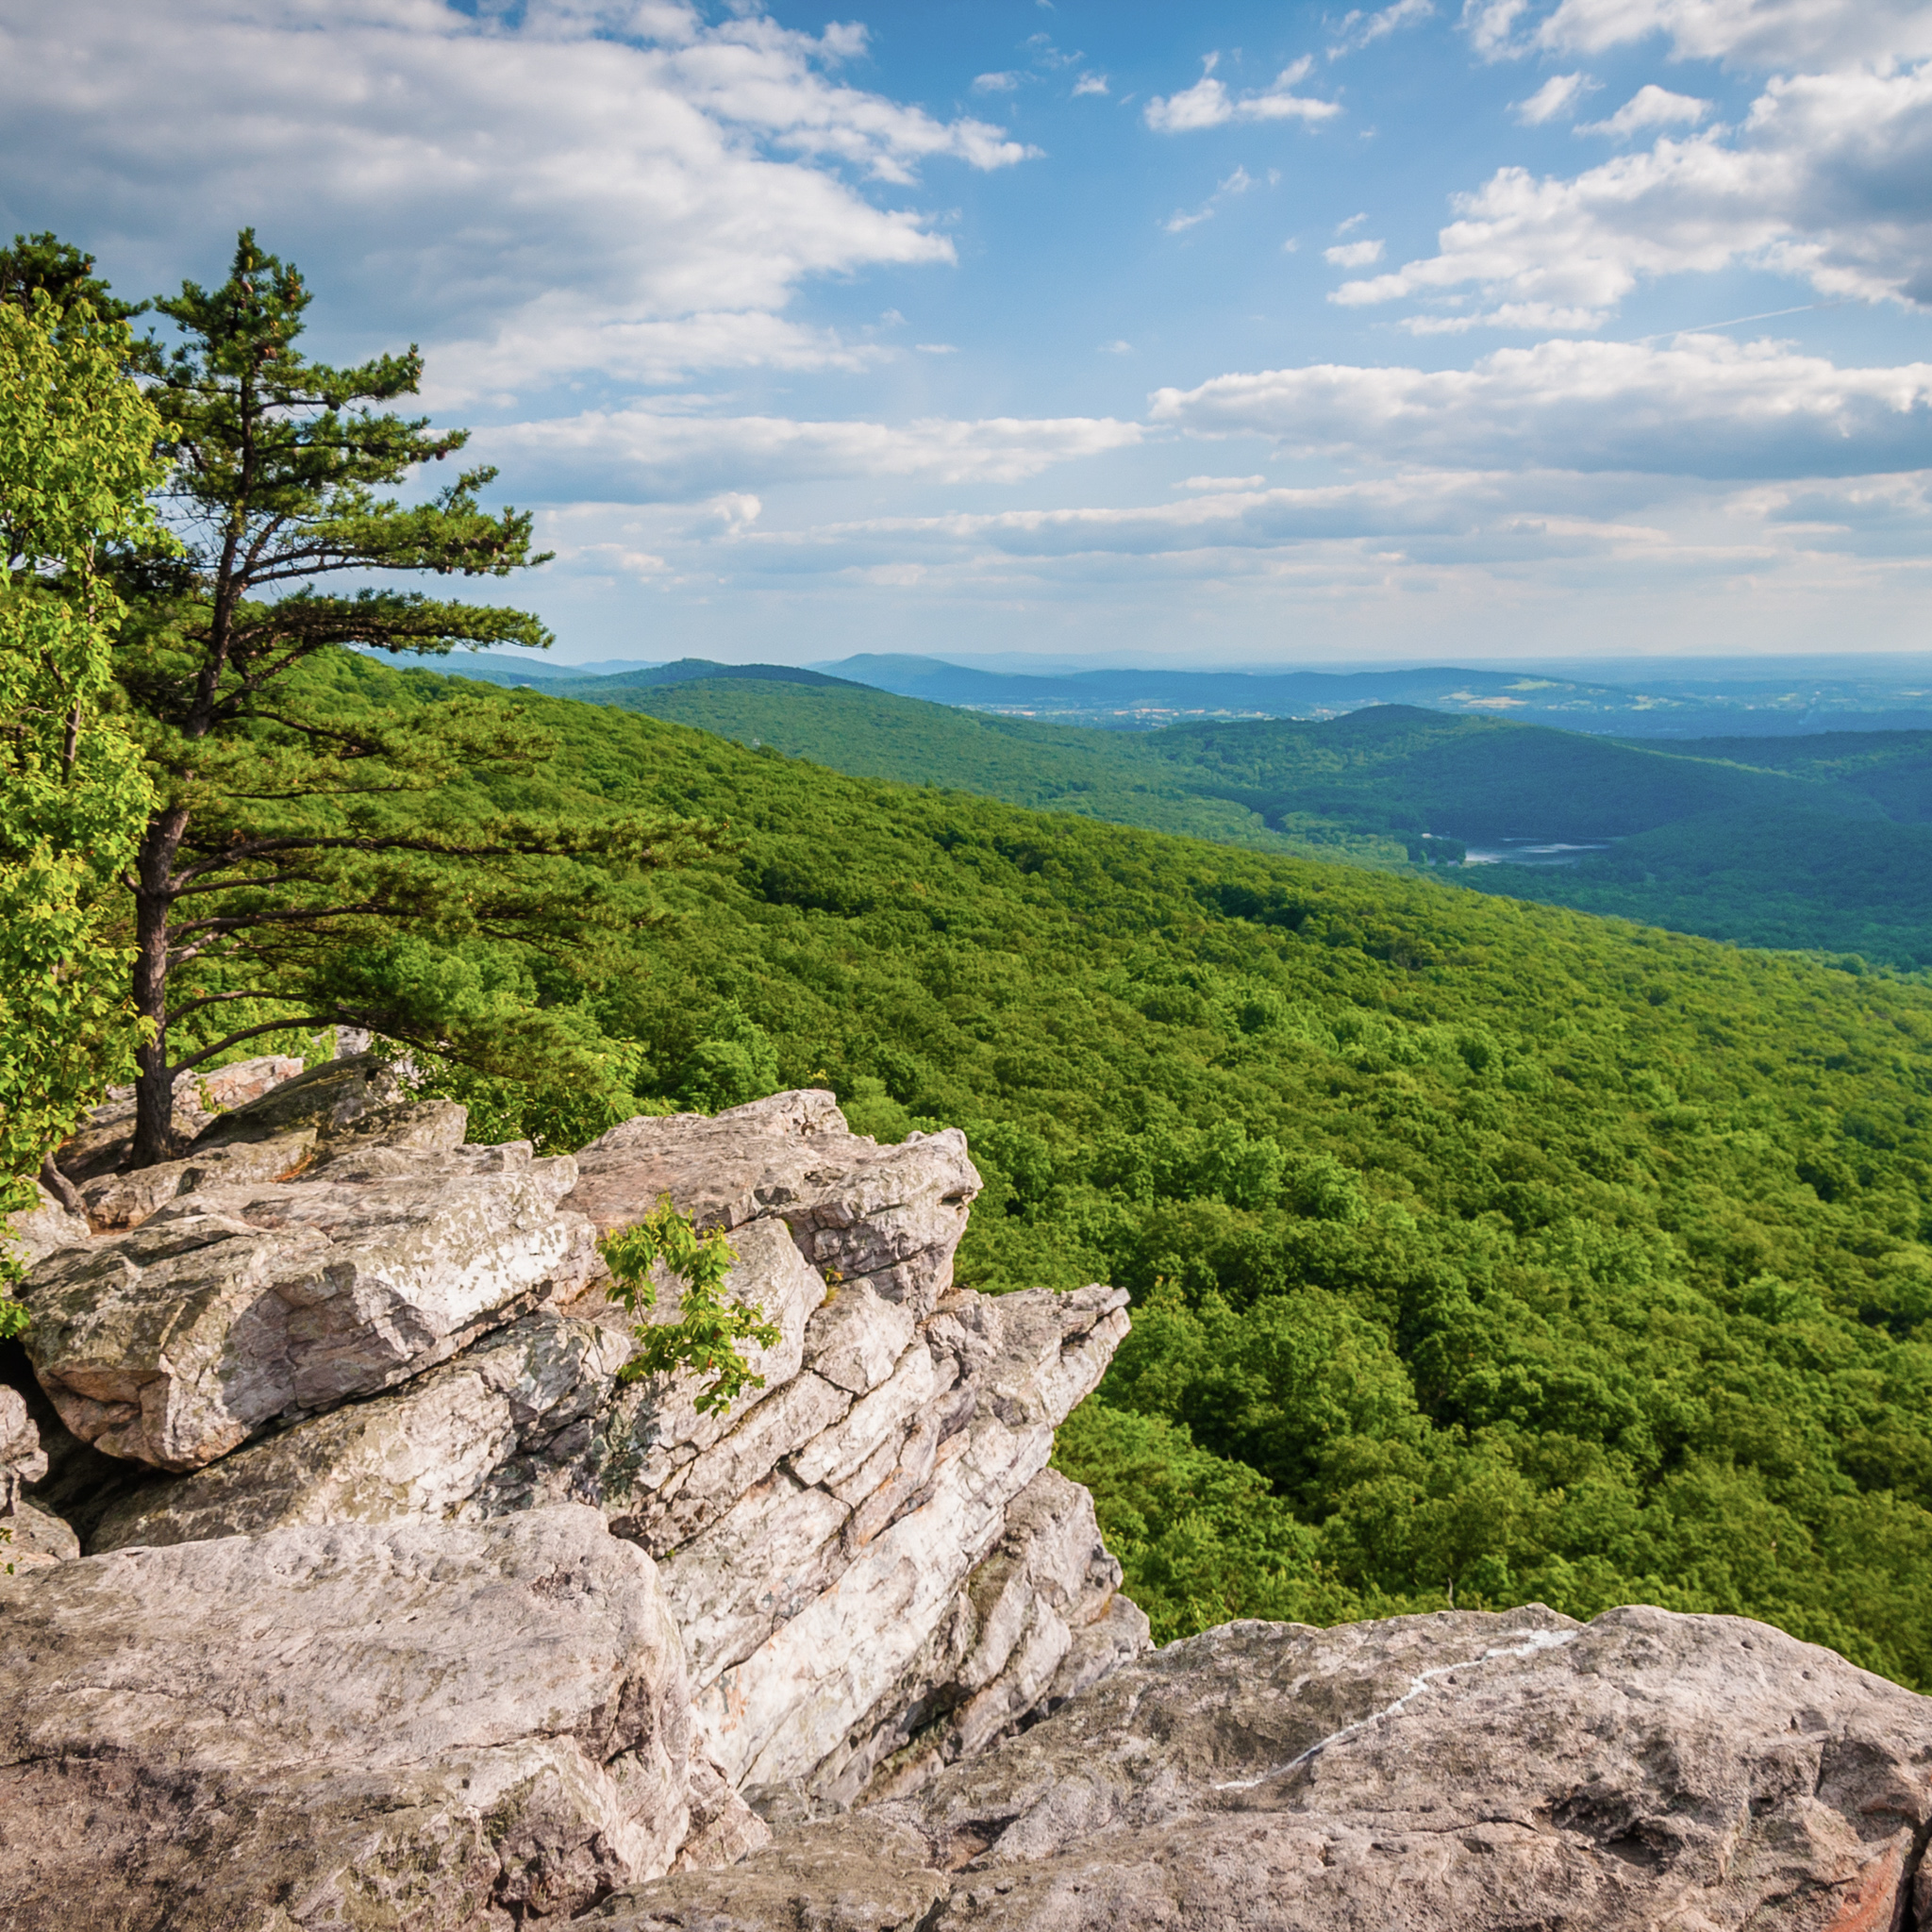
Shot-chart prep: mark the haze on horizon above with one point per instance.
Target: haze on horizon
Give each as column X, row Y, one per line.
column 1244, row 333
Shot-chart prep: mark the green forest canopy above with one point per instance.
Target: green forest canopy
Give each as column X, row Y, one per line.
column 1477, row 1248
column 1816, row 844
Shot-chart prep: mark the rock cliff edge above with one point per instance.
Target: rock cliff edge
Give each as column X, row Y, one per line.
column 350, row 1586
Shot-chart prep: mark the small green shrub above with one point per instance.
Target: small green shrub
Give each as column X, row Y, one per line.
column 703, row 1338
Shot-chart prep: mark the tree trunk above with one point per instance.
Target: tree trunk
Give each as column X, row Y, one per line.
column 154, row 899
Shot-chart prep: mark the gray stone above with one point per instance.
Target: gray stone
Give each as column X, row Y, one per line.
column 117, row 1201
column 629, row 1461
column 1042, row 1621
column 888, row 1216
column 326, row 1098
column 1464, row 1772
column 28, row 1535
column 422, row 1451
column 805, row 1667
column 507, row 1424
column 101, row 1144
column 857, row 1339
column 420, row 1724
column 32, row 1538
column 235, row 1306
column 44, row 1229
column 874, row 1573
column 22, row 1458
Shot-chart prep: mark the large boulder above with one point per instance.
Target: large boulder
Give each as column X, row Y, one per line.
column 296, row 1128
column 890, row 1217
column 102, row 1142
column 42, row 1229
column 418, row 1724
column 422, row 1451
column 1464, row 1772
column 236, row 1306
column 829, row 1612
column 874, row 1571
column 29, row 1536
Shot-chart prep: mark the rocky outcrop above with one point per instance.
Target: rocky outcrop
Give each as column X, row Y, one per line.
column 31, row 1537
column 440, row 1624
column 42, row 1229
column 868, row 1560
column 339, row 1324
column 235, row 1304
column 276, row 1132
column 101, row 1144
column 1462, row 1771
column 890, row 1217
column 415, row 1724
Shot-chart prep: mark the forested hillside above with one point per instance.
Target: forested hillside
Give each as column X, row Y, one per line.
column 1810, row 844
column 1477, row 1247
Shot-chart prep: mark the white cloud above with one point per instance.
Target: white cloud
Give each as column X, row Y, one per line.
column 730, row 513
column 1650, row 106
column 1539, row 316
column 1826, row 179
column 1765, row 34
column 1224, row 483
column 610, row 560
column 1208, row 103
column 1089, row 84
column 1491, row 23
column 937, row 348
column 1464, row 513
column 1360, row 29
column 1703, row 406
column 1117, row 348
column 1353, row 221
column 995, row 83
column 1239, row 183
column 648, row 455
column 1556, row 96
column 1354, row 254
column 628, row 172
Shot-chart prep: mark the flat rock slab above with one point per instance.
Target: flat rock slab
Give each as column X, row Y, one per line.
column 234, row 1306
column 417, row 1724
column 423, row 1450
column 887, row 1216
column 1460, row 1773
column 101, row 1144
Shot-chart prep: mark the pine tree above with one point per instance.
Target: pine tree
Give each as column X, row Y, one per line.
column 312, row 857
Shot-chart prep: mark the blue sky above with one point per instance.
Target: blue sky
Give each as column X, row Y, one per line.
column 1227, row 334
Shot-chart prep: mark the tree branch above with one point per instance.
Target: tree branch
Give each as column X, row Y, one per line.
column 341, row 1016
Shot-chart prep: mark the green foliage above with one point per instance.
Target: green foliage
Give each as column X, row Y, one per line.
column 734, row 1063
column 1492, row 1246
column 1815, row 843
column 44, row 265
column 310, row 855
column 1203, row 1539
column 704, row 1340
column 1797, row 879
column 76, row 458
column 872, row 734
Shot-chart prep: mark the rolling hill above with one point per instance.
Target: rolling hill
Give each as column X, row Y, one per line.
column 1476, row 1246
column 1811, row 843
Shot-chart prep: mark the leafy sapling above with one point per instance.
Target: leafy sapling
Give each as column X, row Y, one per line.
column 703, row 1338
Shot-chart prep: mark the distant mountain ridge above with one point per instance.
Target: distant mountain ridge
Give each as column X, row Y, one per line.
column 1820, row 841
column 1146, row 699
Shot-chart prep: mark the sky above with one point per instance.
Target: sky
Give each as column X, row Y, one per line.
column 1227, row 334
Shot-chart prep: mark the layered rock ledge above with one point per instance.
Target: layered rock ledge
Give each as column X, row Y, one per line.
column 1462, row 1771
column 352, row 1587
column 331, row 1352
